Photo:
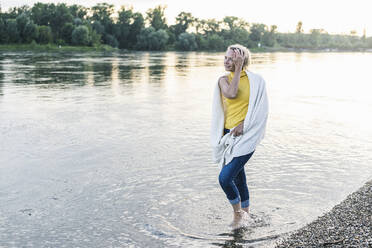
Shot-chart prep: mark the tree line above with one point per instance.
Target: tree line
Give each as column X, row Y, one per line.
column 61, row 24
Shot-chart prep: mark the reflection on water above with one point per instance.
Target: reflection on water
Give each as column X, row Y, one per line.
column 183, row 62
column 1, row 75
column 111, row 149
column 157, row 67
column 102, row 72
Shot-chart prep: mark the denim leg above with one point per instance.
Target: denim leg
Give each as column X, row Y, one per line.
column 241, row 184
column 228, row 174
column 225, row 178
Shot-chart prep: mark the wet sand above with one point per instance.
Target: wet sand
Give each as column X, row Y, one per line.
column 348, row 224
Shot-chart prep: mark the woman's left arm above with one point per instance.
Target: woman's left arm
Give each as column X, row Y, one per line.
column 238, row 130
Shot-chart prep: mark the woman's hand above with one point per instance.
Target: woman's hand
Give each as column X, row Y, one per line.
column 238, row 59
column 238, row 130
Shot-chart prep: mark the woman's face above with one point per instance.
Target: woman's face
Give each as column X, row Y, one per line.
column 228, row 62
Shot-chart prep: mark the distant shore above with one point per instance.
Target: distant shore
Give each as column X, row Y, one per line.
column 107, row 48
column 54, row 47
column 348, row 224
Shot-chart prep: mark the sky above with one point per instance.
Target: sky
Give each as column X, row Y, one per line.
column 334, row 16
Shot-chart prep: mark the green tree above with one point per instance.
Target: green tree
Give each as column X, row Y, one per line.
column 78, row 11
column 3, row 33
column 66, row 32
column 77, row 21
column 231, row 21
column 98, row 27
column 128, row 26
column 125, row 19
column 102, row 12
column 45, row 35
column 111, row 40
column 150, row 39
column 186, row 42
column 12, row 31
column 30, row 32
column 41, row 14
column 16, row 11
column 156, row 18
column 94, row 38
column 199, row 25
column 369, row 42
column 215, row 42
column 26, row 28
column 342, row 42
column 257, row 32
column 201, row 42
column 234, row 31
column 211, row 26
column 299, row 27
column 269, row 37
column 158, row 40
column 22, row 21
column 314, row 37
column 242, row 37
column 325, row 40
column 183, row 21
column 60, row 15
column 135, row 28
column 80, row 36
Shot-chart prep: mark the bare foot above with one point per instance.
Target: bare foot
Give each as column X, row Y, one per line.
column 239, row 220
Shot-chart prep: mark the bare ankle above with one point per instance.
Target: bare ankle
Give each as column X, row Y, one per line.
column 246, row 210
column 238, row 214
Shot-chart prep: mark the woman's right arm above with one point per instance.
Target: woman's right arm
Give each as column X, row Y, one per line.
column 230, row 90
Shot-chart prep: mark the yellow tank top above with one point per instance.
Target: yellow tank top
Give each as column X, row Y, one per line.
column 236, row 109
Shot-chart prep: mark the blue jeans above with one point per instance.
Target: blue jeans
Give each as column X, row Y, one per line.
column 233, row 180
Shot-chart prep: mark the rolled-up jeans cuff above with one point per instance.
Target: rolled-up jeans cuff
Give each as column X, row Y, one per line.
column 245, row 204
column 235, row 201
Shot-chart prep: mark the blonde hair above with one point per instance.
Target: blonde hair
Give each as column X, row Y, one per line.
column 246, row 53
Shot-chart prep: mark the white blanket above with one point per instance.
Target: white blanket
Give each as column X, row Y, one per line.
column 226, row 147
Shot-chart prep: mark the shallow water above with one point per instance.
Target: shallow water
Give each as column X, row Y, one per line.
column 112, row 150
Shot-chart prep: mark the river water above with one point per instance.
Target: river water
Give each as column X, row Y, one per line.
column 112, row 149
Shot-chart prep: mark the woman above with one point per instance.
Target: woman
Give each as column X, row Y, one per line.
column 239, row 116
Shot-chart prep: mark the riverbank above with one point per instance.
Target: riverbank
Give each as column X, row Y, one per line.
column 314, row 50
column 54, row 47
column 100, row 48
column 348, row 224
column 107, row 48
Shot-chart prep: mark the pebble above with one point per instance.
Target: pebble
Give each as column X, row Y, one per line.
column 348, row 224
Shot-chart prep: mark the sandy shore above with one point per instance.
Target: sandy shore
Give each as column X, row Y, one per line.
column 348, row 224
